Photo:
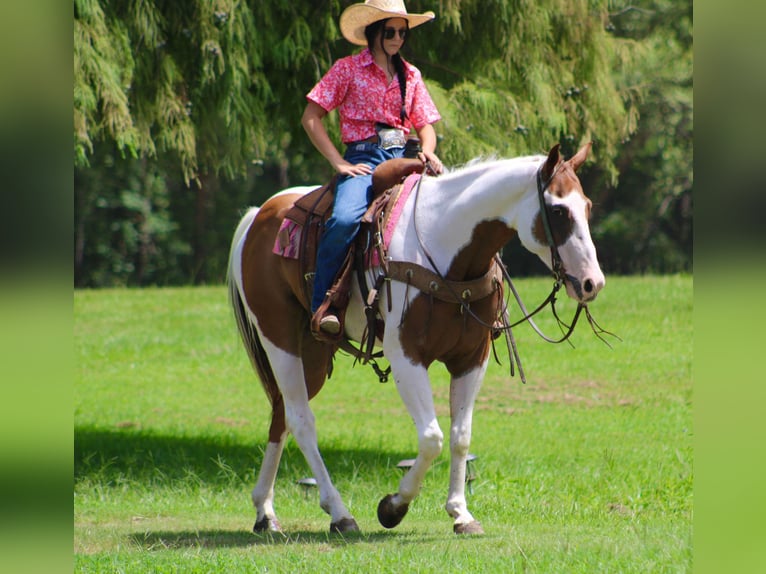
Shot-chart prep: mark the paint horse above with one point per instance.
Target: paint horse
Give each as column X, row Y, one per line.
column 456, row 222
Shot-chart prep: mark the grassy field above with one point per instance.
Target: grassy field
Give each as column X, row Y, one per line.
column 586, row 468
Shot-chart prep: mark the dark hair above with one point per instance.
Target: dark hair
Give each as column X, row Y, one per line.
column 371, row 32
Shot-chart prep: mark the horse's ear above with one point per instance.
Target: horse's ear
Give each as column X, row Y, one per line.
column 550, row 164
column 579, row 158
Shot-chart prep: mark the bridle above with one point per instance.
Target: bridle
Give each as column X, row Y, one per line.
column 557, row 268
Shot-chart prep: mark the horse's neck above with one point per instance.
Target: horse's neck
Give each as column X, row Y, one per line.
column 485, row 190
column 465, row 217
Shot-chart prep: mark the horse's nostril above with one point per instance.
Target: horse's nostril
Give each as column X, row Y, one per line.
column 588, row 286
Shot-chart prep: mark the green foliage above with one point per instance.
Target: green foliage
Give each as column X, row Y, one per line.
column 170, row 78
column 587, row 468
column 211, row 81
column 525, row 75
column 124, row 231
column 103, row 67
column 646, row 223
column 210, row 93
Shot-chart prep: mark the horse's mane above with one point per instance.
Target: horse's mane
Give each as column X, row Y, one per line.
column 482, row 162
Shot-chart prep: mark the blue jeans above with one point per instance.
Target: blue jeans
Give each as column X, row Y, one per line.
column 352, row 198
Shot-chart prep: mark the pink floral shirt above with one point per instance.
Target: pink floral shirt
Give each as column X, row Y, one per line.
column 358, row 88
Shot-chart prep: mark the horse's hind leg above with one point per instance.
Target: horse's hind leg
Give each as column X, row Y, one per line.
column 299, row 419
column 316, row 359
column 263, row 493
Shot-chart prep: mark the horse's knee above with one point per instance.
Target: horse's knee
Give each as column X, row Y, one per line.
column 431, row 442
column 460, row 443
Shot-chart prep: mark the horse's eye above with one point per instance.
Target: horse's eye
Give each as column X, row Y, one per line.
column 557, row 211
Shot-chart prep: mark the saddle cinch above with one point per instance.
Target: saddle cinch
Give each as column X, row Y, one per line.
column 301, row 230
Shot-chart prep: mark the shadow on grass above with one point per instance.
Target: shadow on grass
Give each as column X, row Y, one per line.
column 107, row 455
column 242, row 539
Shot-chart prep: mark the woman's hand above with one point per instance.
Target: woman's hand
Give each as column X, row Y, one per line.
column 431, row 159
column 427, row 137
column 345, row 168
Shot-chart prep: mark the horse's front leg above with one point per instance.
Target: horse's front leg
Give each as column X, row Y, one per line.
column 463, row 392
column 414, row 387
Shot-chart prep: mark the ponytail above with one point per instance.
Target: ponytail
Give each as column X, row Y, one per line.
column 402, row 75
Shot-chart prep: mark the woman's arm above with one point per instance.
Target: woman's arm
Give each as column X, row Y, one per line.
column 427, row 136
column 312, row 123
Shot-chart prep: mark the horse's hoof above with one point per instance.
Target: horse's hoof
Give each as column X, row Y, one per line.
column 344, row 525
column 473, row 527
column 390, row 515
column 267, row 524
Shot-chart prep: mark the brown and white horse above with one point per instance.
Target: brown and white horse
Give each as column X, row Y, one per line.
column 457, row 222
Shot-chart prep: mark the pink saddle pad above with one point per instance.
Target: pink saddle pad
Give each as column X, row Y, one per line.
column 288, row 241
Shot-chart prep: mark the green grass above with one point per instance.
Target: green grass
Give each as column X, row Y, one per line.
column 586, row 468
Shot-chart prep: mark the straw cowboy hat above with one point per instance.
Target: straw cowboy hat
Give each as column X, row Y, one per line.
column 357, row 17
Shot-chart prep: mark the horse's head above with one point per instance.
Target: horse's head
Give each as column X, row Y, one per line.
column 568, row 211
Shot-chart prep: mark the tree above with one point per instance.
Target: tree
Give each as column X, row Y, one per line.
column 520, row 76
column 209, row 94
column 214, row 82
column 169, row 79
column 646, row 223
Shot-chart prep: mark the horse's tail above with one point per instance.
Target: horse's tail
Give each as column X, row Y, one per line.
column 249, row 334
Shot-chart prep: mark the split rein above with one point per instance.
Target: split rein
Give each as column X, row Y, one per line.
column 558, row 273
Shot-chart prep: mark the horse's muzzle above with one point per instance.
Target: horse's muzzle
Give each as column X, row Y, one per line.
column 585, row 290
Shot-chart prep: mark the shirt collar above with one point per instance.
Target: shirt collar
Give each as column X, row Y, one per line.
column 366, row 59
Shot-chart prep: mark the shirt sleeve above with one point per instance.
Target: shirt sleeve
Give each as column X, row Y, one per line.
column 423, row 110
column 330, row 91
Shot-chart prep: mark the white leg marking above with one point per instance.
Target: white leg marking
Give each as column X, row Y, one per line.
column 263, row 493
column 414, row 387
column 463, row 392
column 288, row 370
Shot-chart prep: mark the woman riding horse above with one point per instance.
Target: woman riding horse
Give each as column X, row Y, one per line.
column 380, row 98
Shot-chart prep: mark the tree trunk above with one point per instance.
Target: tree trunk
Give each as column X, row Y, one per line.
column 205, row 189
column 82, row 209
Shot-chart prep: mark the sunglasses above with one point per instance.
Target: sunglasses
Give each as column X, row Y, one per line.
column 389, row 33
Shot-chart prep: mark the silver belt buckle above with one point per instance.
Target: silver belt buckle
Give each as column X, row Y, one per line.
column 391, row 137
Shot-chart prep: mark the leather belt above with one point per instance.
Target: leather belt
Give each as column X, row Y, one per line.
column 371, row 139
column 374, row 139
